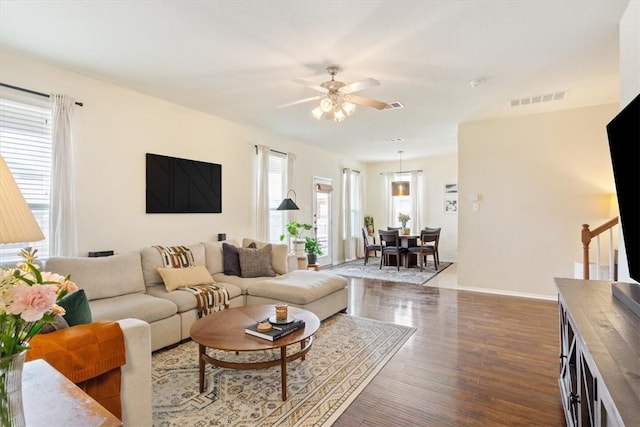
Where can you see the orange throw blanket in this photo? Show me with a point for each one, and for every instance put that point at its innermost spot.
(90, 356)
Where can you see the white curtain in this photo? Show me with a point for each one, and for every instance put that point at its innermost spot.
(291, 162)
(63, 239)
(388, 201)
(262, 193)
(349, 252)
(416, 201)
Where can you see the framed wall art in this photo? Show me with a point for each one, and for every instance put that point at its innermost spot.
(451, 188)
(451, 206)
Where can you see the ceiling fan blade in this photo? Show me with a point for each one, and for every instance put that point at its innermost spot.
(300, 101)
(379, 105)
(311, 85)
(362, 84)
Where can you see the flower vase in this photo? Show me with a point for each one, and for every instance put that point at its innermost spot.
(406, 231)
(11, 410)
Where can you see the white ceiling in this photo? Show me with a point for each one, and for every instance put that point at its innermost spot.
(237, 59)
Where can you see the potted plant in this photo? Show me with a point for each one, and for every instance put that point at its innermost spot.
(295, 230)
(312, 248)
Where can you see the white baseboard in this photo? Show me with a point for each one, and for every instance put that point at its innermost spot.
(507, 293)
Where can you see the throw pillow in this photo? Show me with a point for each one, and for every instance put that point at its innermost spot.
(77, 308)
(175, 278)
(279, 254)
(256, 262)
(57, 324)
(230, 260)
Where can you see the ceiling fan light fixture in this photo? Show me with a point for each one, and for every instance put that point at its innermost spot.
(326, 105)
(348, 108)
(317, 113)
(339, 116)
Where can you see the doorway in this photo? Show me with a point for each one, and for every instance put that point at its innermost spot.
(323, 188)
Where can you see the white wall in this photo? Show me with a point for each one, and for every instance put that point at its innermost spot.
(117, 126)
(539, 178)
(629, 88)
(437, 171)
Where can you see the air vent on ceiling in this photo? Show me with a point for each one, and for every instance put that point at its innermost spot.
(393, 140)
(395, 105)
(555, 96)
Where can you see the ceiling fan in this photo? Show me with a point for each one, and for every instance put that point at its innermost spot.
(338, 100)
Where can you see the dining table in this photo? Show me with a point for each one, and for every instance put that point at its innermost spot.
(406, 241)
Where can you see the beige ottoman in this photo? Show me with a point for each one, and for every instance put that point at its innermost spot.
(322, 293)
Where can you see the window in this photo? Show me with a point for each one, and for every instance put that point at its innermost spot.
(400, 204)
(277, 178)
(25, 145)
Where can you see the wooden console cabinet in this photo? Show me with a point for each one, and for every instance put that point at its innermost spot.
(599, 356)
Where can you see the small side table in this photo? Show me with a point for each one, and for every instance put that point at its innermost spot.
(302, 263)
(315, 267)
(73, 406)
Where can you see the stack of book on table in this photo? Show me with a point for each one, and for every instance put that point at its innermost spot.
(277, 331)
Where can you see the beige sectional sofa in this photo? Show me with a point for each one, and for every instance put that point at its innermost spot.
(128, 286)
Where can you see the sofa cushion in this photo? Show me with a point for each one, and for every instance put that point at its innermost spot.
(140, 306)
(102, 277)
(214, 257)
(77, 308)
(256, 262)
(152, 260)
(279, 252)
(242, 283)
(186, 300)
(298, 287)
(175, 278)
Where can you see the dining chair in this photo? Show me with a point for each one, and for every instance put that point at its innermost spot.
(394, 228)
(368, 247)
(428, 246)
(435, 244)
(390, 243)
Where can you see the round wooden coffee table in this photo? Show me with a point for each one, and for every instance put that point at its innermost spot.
(224, 330)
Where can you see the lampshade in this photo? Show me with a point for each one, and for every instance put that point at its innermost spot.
(400, 188)
(287, 204)
(17, 223)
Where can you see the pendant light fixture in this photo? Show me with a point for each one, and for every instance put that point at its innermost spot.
(400, 188)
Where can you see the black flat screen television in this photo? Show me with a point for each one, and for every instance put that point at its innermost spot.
(624, 144)
(183, 186)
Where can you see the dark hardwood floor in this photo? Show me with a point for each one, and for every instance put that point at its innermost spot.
(475, 359)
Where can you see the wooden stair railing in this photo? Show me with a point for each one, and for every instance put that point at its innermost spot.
(587, 236)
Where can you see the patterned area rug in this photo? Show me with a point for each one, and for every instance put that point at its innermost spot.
(346, 355)
(390, 274)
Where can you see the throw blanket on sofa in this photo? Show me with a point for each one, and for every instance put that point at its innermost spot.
(176, 256)
(90, 356)
(209, 296)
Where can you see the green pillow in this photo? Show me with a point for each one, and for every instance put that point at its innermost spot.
(77, 308)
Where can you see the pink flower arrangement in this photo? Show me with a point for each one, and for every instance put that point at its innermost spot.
(404, 218)
(28, 300)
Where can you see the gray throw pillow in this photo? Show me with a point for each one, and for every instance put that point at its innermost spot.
(230, 260)
(256, 262)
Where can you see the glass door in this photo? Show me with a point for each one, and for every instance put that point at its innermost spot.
(323, 189)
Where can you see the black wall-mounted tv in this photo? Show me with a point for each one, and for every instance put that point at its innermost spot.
(624, 144)
(183, 186)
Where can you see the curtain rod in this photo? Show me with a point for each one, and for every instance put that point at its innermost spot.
(403, 172)
(352, 170)
(33, 92)
(271, 149)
